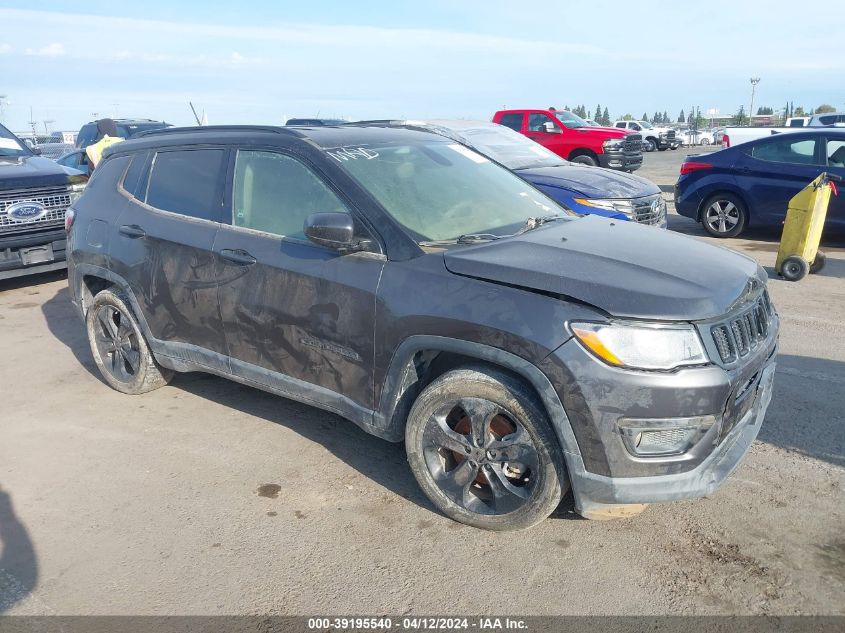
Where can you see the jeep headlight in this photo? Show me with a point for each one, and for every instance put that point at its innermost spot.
(75, 191)
(639, 345)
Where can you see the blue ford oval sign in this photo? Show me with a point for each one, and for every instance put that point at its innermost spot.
(26, 211)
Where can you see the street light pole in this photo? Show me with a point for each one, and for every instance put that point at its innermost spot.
(754, 82)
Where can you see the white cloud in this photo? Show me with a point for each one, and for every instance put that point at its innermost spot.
(5, 48)
(56, 49)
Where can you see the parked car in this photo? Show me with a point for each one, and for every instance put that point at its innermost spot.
(583, 189)
(126, 128)
(313, 122)
(569, 136)
(592, 123)
(660, 138)
(77, 159)
(410, 284)
(697, 137)
(34, 193)
(827, 119)
(751, 184)
(736, 135)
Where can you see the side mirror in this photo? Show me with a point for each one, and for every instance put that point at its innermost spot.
(551, 128)
(36, 151)
(333, 230)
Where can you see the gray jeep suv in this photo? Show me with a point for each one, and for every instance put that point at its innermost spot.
(424, 292)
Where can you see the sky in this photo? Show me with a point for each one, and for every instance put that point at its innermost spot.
(264, 61)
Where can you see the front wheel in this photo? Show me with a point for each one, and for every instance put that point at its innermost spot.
(724, 215)
(483, 451)
(584, 159)
(649, 145)
(705, 141)
(120, 351)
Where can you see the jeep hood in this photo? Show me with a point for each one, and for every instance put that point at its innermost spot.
(23, 172)
(590, 182)
(622, 268)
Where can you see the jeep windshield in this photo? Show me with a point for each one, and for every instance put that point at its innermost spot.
(10, 145)
(443, 191)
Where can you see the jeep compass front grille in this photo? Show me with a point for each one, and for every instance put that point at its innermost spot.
(743, 333)
(55, 201)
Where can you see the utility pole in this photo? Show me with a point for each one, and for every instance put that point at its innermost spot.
(754, 82)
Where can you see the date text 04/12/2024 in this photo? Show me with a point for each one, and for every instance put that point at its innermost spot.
(417, 624)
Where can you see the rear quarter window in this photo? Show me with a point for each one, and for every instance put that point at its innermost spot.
(108, 173)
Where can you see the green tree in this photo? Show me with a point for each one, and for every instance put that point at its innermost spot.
(628, 117)
(765, 110)
(645, 117)
(567, 108)
(739, 117)
(605, 117)
(656, 118)
(825, 107)
(597, 115)
(665, 118)
(682, 117)
(799, 111)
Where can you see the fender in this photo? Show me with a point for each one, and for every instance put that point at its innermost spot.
(401, 365)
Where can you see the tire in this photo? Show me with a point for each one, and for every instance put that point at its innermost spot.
(584, 159)
(649, 145)
(724, 215)
(705, 141)
(674, 147)
(794, 268)
(818, 263)
(469, 480)
(119, 348)
(662, 149)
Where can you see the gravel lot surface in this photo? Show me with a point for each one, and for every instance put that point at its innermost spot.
(207, 497)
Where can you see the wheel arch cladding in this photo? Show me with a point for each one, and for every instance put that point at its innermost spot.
(421, 359)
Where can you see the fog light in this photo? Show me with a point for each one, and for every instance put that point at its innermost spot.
(645, 437)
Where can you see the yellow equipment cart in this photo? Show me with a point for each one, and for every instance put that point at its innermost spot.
(799, 252)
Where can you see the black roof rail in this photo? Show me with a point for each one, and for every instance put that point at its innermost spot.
(217, 128)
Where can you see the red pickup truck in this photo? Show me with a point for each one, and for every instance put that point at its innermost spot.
(571, 137)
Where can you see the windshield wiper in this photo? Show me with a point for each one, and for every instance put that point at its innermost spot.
(533, 223)
(469, 238)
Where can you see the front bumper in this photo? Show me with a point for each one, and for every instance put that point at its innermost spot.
(621, 160)
(597, 398)
(32, 253)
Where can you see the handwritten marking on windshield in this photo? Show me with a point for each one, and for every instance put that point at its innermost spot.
(352, 153)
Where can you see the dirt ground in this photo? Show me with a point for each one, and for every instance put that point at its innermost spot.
(207, 497)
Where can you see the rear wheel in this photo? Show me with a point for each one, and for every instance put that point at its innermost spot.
(724, 215)
(705, 141)
(483, 451)
(119, 348)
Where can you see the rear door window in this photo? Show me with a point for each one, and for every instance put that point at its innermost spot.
(275, 193)
(189, 182)
(513, 121)
(836, 153)
(787, 150)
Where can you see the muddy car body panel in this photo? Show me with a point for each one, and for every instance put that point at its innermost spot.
(361, 333)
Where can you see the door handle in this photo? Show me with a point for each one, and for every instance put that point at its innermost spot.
(132, 230)
(238, 256)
